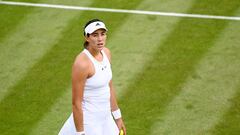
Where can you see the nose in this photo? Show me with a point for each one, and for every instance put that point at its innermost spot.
(100, 37)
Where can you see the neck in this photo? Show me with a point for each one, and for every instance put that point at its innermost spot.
(94, 52)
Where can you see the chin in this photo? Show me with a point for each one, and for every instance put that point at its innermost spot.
(100, 48)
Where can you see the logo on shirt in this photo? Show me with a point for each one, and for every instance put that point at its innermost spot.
(104, 67)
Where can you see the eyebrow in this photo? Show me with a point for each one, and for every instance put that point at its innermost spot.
(101, 32)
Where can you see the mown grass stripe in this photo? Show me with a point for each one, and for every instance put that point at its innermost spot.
(229, 123)
(28, 90)
(32, 96)
(120, 10)
(29, 41)
(51, 122)
(10, 18)
(47, 80)
(162, 78)
(204, 97)
(135, 42)
(132, 25)
(13, 15)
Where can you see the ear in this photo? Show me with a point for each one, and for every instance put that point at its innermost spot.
(86, 38)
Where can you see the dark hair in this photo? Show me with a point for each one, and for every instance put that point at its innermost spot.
(89, 22)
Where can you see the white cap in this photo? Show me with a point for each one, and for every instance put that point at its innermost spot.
(94, 26)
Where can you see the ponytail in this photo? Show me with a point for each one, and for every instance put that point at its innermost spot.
(85, 45)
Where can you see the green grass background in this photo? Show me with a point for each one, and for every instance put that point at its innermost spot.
(153, 59)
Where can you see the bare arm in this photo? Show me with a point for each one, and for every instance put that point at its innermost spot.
(79, 76)
(113, 99)
(114, 107)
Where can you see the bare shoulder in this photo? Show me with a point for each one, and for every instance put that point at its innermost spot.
(107, 52)
(81, 63)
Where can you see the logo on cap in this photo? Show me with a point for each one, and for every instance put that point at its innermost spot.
(98, 24)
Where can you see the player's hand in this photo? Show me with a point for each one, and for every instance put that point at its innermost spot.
(121, 126)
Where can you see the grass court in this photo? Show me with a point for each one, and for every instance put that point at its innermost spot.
(173, 75)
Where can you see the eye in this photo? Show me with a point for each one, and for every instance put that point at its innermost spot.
(103, 34)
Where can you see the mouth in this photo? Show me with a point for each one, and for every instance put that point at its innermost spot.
(100, 44)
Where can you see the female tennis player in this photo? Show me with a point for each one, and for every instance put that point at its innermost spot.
(94, 105)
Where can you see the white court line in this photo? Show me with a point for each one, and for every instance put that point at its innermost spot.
(121, 10)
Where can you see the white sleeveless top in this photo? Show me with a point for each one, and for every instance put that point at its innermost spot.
(96, 95)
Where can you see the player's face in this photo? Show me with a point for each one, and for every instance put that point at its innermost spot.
(97, 39)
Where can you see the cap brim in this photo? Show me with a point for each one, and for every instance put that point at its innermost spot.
(94, 26)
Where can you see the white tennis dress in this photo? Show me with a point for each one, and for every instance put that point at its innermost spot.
(97, 118)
